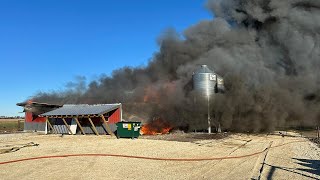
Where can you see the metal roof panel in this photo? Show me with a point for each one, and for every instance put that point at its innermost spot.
(81, 109)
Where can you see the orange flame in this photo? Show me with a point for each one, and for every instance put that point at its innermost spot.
(155, 127)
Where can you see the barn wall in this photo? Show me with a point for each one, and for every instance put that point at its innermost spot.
(35, 126)
(60, 127)
(34, 123)
(30, 117)
(101, 128)
(115, 116)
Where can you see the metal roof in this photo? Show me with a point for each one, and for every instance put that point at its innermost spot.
(204, 69)
(82, 109)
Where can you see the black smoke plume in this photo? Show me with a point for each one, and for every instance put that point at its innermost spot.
(268, 52)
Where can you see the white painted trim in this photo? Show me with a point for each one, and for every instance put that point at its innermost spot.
(120, 112)
(46, 128)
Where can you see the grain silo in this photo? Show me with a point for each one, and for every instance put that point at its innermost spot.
(205, 84)
(204, 81)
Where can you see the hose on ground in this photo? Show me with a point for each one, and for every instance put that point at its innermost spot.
(147, 158)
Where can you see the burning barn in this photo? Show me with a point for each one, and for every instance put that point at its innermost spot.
(73, 118)
(33, 122)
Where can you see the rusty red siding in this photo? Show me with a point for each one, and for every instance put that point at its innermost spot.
(30, 117)
(34, 123)
(115, 116)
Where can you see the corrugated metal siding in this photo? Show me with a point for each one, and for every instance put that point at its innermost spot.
(60, 127)
(34, 126)
(113, 127)
(115, 116)
(100, 128)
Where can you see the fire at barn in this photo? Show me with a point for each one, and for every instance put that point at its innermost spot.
(33, 122)
(72, 118)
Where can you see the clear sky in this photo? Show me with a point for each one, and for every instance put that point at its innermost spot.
(44, 44)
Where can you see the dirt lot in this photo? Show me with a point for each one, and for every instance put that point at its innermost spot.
(291, 157)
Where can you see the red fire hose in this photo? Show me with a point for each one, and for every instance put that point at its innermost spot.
(147, 158)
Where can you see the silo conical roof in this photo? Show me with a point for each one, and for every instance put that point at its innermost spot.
(203, 69)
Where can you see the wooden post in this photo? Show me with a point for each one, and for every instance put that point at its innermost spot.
(93, 127)
(50, 125)
(18, 125)
(67, 125)
(318, 132)
(81, 129)
(107, 125)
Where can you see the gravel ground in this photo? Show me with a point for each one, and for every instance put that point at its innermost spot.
(291, 157)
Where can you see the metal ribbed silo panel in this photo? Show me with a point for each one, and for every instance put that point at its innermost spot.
(204, 81)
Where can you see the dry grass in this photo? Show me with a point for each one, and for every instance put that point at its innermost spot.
(11, 125)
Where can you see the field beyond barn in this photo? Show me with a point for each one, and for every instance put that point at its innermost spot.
(276, 157)
(11, 125)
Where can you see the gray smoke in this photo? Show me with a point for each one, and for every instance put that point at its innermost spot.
(268, 52)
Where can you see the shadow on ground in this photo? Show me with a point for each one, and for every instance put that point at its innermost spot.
(309, 166)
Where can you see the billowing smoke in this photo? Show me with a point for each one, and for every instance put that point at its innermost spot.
(268, 52)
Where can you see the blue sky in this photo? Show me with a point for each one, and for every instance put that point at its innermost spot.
(44, 44)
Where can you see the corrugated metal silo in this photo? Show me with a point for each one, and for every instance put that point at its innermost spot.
(204, 81)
